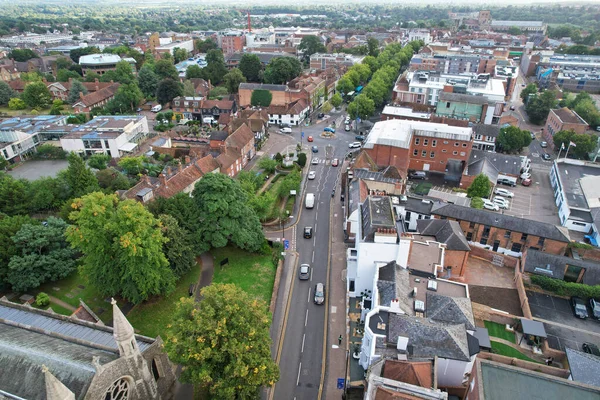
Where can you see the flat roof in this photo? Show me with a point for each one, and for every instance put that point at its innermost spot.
(425, 256)
(99, 59)
(570, 176)
(404, 112)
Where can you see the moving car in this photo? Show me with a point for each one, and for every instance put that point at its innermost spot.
(579, 308)
(285, 130)
(312, 175)
(335, 162)
(359, 137)
(319, 293)
(543, 144)
(328, 129)
(546, 156)
(308, 232)
(503, 192)
(504, 181)
(304, 272)
(315, 149)
(417, 175)
(310, 139)
(347, 120)
(501, 202)
(488, 205)
(595, 306)
(355, 145)
(315, 161)
(347, 128)
(310, 200)
(526, 182)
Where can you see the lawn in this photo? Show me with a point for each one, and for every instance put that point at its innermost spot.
(422, 188)
(506, 350)
(253, 273)
(498, 330)
(152, 317)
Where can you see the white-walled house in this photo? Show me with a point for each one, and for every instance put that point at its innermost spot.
(20, 136)
(292, 114)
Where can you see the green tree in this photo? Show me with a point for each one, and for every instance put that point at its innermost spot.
(223, 343)
(42, 299)
(181, 207)
(216, 68)
(301, 159)
(63, 75)
(310, 45)
(180, 54)
(36, 95)
(194, 71)
(362, 107)
(126, 100)
(42, 255)
(13, 195)
(233, 79)
(112, 180)
(513, 30)
(77, 88)
(147, 81)
(132, 165)
(371, 62)
(513, 139)
(47, 194)
(9, 226)
(267, 164)
(16, 104)
(203, 46)
(225, 216)
(122, 246)
(31, 76)
(530, 89)
(165, 69)
(261, 98)
(345, 86)
(75, 54)
(91, 77)
(584, 143)
(21, 55)
(336, 100)
(50, 152)
(63, 63)
(79, 177)
(99, 161)
(373, 45)
(57, 107)
(289, 182)
(480, 187)
(282, 70)
(6, 93)
(179, 246)
(539, 107)
(251, 67)
(587, 110)
(188, 89)
(167, 90)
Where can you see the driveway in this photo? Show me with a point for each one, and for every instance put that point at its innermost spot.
(33, 170)
(563, 329)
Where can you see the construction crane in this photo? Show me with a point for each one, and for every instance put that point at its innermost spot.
(247, 12)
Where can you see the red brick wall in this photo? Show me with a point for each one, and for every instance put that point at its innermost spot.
(489, 256)
(457, 260)
(388, 155)
(443, 150)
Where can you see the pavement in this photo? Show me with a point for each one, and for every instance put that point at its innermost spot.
(36, 169)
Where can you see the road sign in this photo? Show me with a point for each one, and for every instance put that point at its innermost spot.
(286, 244)
(302, 134)
(340, 383)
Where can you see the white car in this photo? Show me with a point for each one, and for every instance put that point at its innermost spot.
(488, 205)
(347, 121)
(315, 161)
(312, 175)
(504, 192)
(501, 202)
(355, 145)
(525, 175)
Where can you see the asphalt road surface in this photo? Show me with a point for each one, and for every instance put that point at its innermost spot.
(302, 353)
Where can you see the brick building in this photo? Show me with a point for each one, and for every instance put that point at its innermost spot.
(231, 41)
(450, 234)
(563, 119)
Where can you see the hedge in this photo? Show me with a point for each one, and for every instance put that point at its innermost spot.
(261, 98)
(563, 288)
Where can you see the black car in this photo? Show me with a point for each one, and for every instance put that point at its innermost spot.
(579, 308)
(546, 156)
(321, 115)
(308, 232)
(591, 348)
(507, 182)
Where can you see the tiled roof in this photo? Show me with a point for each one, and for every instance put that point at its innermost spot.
(220, 104)
(444, 231)
(411, 372)
(17, 85)
(91, 99)
(568, 116)
(226, 160)
(240, 138)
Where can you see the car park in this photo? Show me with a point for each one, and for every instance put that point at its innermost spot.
(525, 175)
(546, 156)
(501, 202)
(526, 182)
(315, 161)
(304, 272)
(310, 139)
(308, 231)
(359, 137)
(335, 162)
(319, 293)
(312, 175)
(504, 181)
(328, 129)
(417, 175)
(543, 144)
(489, 205)
(503, 192)
(315, 149)
(355, 145)
(579, 308)
(595, 306)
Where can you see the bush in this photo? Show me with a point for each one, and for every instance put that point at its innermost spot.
(278, 157)
(301, 159)
(50, 152)
(42, 300)
(476, 202)
(563, 288)
(99, 161)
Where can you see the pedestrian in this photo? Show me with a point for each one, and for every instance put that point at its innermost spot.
(340, 340)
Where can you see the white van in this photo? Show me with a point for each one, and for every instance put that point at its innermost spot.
(156, 108)
(208, 120)
(285, 130)
(310, 200)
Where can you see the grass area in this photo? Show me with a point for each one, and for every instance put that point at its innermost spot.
(422, 188)
(506, 350)
(499, 331)
(55, 307)
(75, 287)
(253, 273)
(289, 205)
(152, 317)
(16, 113)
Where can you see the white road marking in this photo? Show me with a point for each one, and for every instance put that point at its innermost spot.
(313, 256)
(306, 318)
(298, 379)
(315, 241)
(311, 270)
(303, 337)
(308, 298)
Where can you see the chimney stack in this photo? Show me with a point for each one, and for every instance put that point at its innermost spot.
(187, 160)
(180, 167)
(163, 179)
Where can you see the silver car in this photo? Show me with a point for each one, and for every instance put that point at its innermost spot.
(319, 293)
(304, 272)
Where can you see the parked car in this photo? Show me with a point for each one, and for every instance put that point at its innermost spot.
(328, 129)
(312, 175)
(501, 202)
(321, 115)
(595, 306)
(532, 135)
(315, 149)
(285, 130)
(546, 156)
(335, 162)
(308, 232)
(526, 182)
(310, 139)
(417, 175)
(347, 128)
(304, 272)
(347, 120)
(503, 192)
(526, 175)
(591, 348)
(355, 145)
(504, 181)
(543, 144)
(319, 293)
(315, 161)
(489, 205)
(359, 137)
(512, 108)
(579, 308)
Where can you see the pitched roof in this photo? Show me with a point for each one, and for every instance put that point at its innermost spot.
(263, 86)
(226, 160)
(502, 221)
(452, 310)
(240, 138)
(541, 263)
(444, 231)
(486, 130)
(220, 104)
(17, 85)
(585, 368)
(91, 99)
(503, 163)
(411, 372)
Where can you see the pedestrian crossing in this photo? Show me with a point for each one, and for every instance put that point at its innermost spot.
(321, 161)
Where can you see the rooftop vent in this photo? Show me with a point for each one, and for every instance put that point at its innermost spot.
(432, 285)
(419, 306)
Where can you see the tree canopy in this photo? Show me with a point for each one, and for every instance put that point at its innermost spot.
(147, 81)
(74, 93)
(233, 79)
(480, 187)
(309, 45)
(251, 67)
(530, 89)
(36, 95)
(261, 98)
(513, 139)
(538, 108)
(584, 143)
(282, 70)
(167, 90)
(79, 177)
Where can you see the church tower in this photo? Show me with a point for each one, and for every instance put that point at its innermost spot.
(123, 333)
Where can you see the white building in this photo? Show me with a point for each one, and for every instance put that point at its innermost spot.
(419, 34)
(19, 136)
(113, 135)
(170, 47)
(34, 38)
(260, 37)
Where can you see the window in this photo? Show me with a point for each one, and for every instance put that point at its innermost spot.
(417, 140)
(447, 104)
(462, 153)
(454, 153)
(407, 217)
(464, 145)
(572, 273)
(425, 142)
(507, 234)
(433, 143)
(516, 247)
(106, 144)
(486, 230)
(155, 372)
(472, 225)
(424, 153)
(469, 236)
(351, 285)
(455, 144)
(415, 152)
(119, 390)
(445, 142)
(524, 236)
(177, 103)
(483, 241)
(478, 137)
(432, 154)
(444, 150)
(541, 242)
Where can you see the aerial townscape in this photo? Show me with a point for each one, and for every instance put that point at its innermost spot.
(328, 200)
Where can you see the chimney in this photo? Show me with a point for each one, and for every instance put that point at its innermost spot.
(70, 80)
(169, 170)
(163, 179)
(180, 167)
(80, 95)
(187, 160)
(146, 179)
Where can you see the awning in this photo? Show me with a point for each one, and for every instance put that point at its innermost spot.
(128, 147)
(534, 328)
(592, 240)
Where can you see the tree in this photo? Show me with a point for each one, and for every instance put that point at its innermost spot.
(79, 177)
(251, 67)
(75, 54)
(47, 194)
(282, 70)
(99, 161)
(181, 207)
(57, 107)
(91, 77)
(63, 75)
(587, 110)
(63, 63)
(261, 98)
(42, 255)
(480, 187)
(373, 45)
(13, 195)
(167, 90)
(147, 81)
(6, 93)
(336, 100)
(48, 151)
(179, 246)
(77, 88)
(513, 30)
(165, 69)
(16, 104)
(37, 95)
(194, 71)
(127, 98)
(216, 68)
(42, 299)
(223, 343)
(584, 143)
(112, 180)
(362, 107)
(345, 85)
(9, 226)
(301, 159)
(132, 165)
(188, 89)
(530, 89)
(512, 139)
(180, 54)
(290, 182)
(122, 246)
(225, 215)
(22, 55)
(539, 107)
(204, 46)
(310, 45)
(371, 62)
(267, 164)
(233, 79)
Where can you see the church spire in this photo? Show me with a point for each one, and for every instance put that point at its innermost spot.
(55, 390)
(123, 332)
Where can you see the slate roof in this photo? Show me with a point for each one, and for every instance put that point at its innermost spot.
(444, 231)
(585, 368)
(486, 130)
(452, 310)
(482, 166)
(503, 163)
(502, 221)
(463, 98)
(540, 263)
(361, 173)
(263, 86)
(429, 339)
(416, 204)
(219, 135)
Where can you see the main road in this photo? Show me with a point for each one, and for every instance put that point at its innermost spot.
(303, 353)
